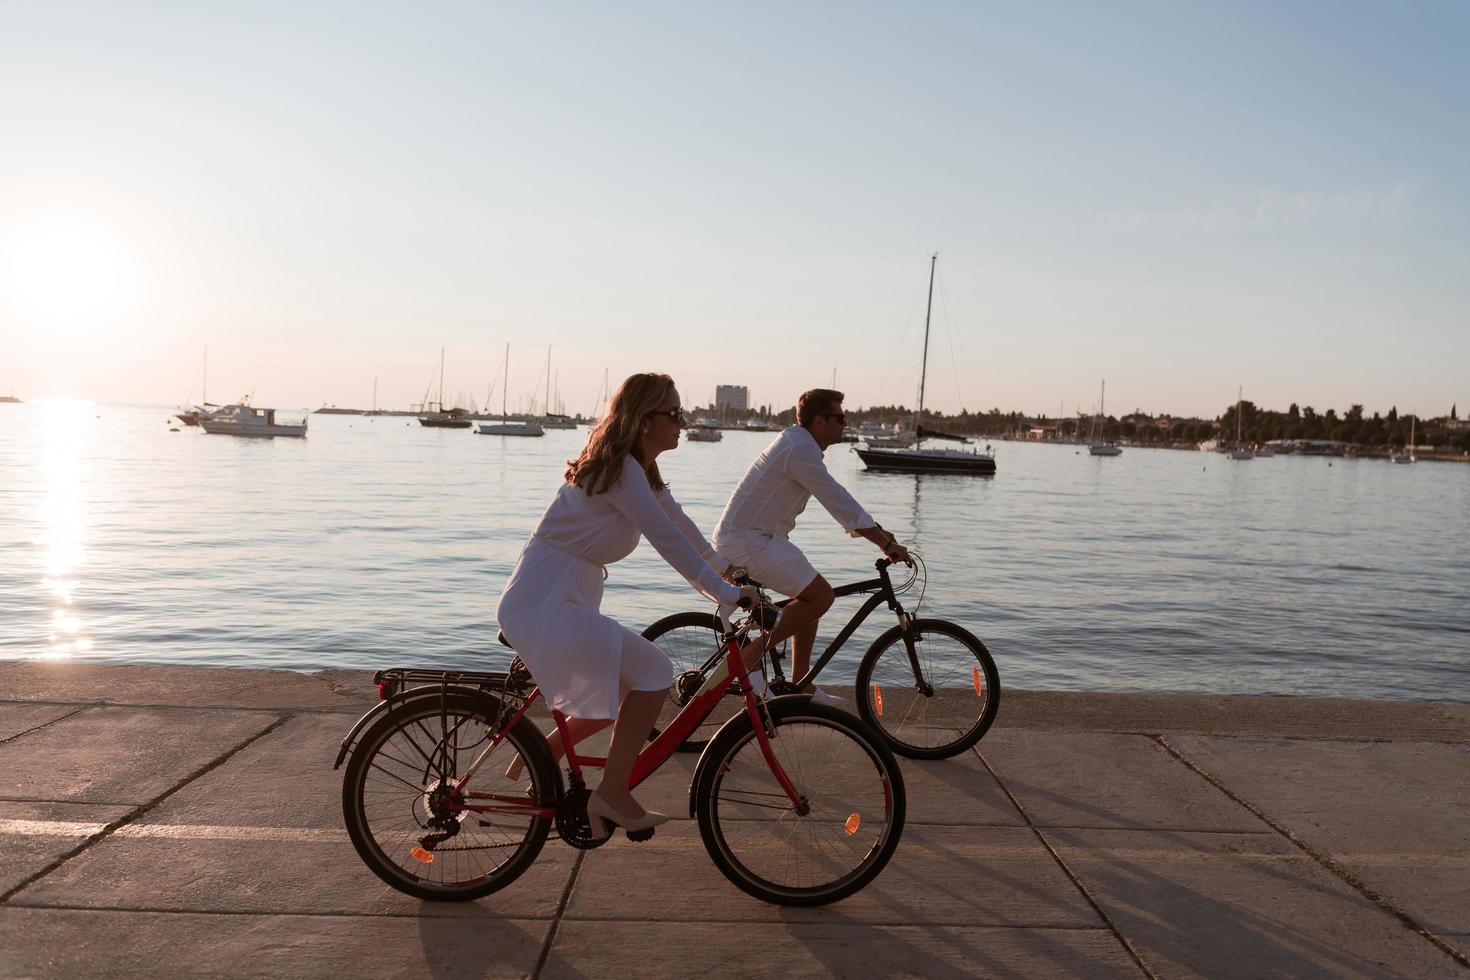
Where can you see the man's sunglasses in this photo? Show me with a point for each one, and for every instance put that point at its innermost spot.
(841, 417)
(677, 414)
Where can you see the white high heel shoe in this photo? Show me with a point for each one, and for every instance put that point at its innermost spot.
(600, 811)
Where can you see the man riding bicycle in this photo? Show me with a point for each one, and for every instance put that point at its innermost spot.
(754, 527)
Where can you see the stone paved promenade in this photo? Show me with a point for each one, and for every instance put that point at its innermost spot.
(185, 821)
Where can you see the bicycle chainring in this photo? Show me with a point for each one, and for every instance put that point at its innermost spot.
(572, 823)
(685, 686)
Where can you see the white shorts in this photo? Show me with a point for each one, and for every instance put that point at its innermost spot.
(771, 560)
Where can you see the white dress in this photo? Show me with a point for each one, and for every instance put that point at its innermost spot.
(549, 608)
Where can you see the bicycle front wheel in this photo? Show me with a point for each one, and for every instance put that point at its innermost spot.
(407, 824)
(851, 814)
(937, 702)
(691, 639)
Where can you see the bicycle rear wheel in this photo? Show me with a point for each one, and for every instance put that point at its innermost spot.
(844, 774)
(944, 709)
(691, 639)
(405, 821)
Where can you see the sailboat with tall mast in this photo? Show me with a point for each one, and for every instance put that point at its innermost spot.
(439, 418)
(1406, 455)
(918, 459)
(549, 418)
(1240, 450)
(207, 409)
(1096, 445)
(505, 427)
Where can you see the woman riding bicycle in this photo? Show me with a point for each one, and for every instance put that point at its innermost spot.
(584, 661)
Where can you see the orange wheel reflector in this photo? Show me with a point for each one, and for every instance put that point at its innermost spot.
(852, 824)
(419, 854)
(979, 691)
(878, 699)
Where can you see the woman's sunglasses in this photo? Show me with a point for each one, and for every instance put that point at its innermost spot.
(677, 414)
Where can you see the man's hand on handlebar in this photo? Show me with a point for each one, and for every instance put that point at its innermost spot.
(896, 552)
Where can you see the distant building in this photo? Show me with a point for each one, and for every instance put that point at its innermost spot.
(731, 398)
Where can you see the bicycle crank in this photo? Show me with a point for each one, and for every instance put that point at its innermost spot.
(572, 823)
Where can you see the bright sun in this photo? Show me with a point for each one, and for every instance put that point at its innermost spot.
(63, 273)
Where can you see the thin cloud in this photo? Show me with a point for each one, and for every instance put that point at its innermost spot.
(1270, 211)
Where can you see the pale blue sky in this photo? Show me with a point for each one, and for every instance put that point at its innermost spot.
(1181, 198)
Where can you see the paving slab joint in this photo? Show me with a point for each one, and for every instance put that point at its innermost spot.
(561, 908)
(1321, 857)
(44, 724)
(1071, 876)
(143, 808)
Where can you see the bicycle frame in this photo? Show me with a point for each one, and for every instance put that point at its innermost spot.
(655, 754)
(882, 589)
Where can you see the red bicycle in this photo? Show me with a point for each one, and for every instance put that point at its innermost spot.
(797, 803)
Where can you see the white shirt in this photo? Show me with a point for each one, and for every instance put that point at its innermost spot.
(776, 488)
(603, 528)
(550, 608)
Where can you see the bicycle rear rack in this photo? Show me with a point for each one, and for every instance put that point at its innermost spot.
(515, 682)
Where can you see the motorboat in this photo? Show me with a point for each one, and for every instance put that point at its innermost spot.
(554, 421)
(704, 430)
(251, 422)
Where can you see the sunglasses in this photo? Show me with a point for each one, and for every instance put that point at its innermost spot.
(841, 417)
(677, 414)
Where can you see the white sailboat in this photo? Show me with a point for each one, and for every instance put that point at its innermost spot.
(505, 427)
(1240, 451)
(1096, 446)
(918, 459)
(1406, 455)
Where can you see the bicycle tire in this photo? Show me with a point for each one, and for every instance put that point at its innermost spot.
(387, 779)
(948, 719)
(689, 639)
(839, 766)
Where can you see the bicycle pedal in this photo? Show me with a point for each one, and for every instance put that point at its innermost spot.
(639, 836)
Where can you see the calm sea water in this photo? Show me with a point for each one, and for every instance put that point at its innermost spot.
(375, 542)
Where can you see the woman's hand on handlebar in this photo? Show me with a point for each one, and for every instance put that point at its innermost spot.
(750, 597)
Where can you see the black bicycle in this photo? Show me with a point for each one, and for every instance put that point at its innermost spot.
(928, 686)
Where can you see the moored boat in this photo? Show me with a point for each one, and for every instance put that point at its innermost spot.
(507, 427)
(250, 422)
(704, 430)
(918, 459)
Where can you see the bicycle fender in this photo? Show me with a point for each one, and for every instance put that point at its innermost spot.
(774, 706)
(382, 707)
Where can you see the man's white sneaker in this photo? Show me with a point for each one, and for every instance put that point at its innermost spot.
(822, 697)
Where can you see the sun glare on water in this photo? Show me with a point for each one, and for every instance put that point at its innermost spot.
(63, 519)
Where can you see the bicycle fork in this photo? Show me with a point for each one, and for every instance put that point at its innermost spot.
(764, 726)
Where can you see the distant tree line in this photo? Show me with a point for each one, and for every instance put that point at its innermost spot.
(1257, 425)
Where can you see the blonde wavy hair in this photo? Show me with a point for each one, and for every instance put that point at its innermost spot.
(619, 435)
